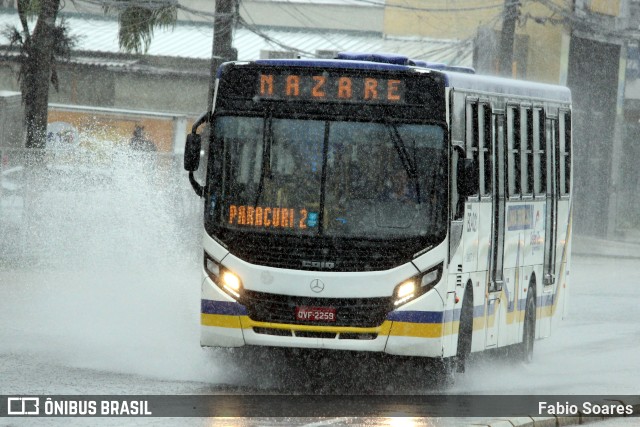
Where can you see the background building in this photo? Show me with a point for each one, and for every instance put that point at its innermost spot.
(589, 45)
(173, 76)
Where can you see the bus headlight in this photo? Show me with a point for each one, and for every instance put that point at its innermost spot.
(405, 292)
(229, 282)
(416, 286)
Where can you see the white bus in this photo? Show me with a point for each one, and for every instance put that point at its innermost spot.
(375, 203)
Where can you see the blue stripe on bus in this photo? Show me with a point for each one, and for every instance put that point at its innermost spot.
(452, 315)
(546, 300)
(541, 301)
(478, 310)
(416, 316)
(522, 304)
(222, 307)
(235, 309)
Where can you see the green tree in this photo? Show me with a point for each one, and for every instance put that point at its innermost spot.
(138, 18)
(49, 43)
(38, 51)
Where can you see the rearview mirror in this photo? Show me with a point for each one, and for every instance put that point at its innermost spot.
(192, 152)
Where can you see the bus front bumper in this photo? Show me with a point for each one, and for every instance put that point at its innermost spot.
(226, 324)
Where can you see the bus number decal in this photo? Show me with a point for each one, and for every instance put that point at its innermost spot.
(472, 222)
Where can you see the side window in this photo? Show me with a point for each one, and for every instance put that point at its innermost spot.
(486, 153)
(472, 133)
(564, 153)
(513, 150)
(539, 153)
(526, 131)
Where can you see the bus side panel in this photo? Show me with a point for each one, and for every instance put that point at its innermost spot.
(562, 261)
(475, 246)
(479, 283)
(470, 238)
(511, 326)
(534, 237)
(519, 223)
(457, 285)
(533, 276)
(485, 220)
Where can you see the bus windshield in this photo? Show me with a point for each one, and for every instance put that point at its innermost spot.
(332, 178)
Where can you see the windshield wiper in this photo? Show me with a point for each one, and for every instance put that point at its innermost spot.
(265, 167)
(401, 148)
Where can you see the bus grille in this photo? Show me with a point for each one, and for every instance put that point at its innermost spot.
(358, 312)
(298, 256)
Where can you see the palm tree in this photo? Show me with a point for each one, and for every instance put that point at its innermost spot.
(49, 43)
(37, 56)
(138, 18)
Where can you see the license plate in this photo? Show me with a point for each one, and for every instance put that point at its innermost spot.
(316, 314)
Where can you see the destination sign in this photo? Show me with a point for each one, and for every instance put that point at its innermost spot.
(330, 88)
(272, 217)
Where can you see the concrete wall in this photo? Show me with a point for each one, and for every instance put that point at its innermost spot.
(150, 89)
(83, 85)
(168, 93)
(11, 117)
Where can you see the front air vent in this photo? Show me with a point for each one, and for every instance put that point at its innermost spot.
(356, 336)
(313, 334)
(272, 331)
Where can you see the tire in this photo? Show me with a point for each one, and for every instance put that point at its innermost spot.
(443, 372)
(465, 331)
(529, 328)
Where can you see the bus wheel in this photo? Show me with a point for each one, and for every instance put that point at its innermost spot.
(443, 372)
(529, 329)
(465, 331)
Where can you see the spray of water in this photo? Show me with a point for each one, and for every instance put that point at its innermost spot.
(106, 276)
(103, 272)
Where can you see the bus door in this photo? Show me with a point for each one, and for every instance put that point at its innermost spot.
(551, 205)
(496, 275)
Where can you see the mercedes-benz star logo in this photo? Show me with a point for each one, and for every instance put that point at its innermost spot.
(317, 286)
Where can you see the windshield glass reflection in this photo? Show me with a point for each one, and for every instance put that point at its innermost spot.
(333, 178)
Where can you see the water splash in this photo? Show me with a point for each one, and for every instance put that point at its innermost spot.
(104, 270)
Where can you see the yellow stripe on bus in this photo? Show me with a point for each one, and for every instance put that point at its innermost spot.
(420, 330)
(383, 329)
(220, 320)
